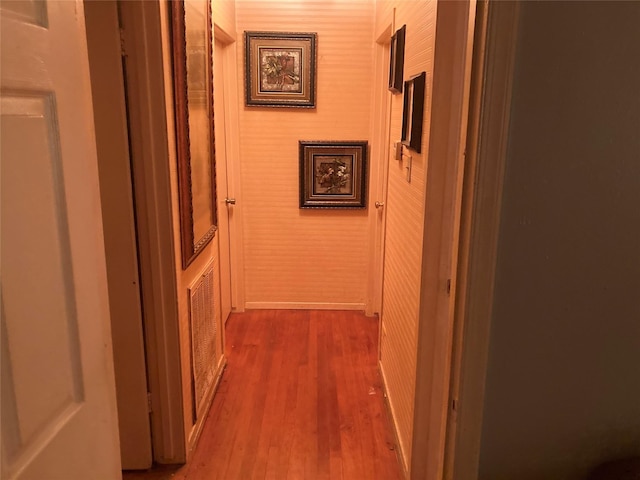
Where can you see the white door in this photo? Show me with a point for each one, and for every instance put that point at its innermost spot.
(381, 145)
(59, 416)
(225, 209)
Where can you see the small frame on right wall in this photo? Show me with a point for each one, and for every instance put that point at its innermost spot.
(412, 115)
(333, 174)
(396, 66)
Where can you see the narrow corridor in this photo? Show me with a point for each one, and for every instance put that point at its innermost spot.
(300, 398)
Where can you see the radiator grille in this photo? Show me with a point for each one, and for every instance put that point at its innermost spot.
(203, 335)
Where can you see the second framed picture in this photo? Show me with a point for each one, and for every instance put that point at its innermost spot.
(333, 174)
(413, 112)
(280, 69)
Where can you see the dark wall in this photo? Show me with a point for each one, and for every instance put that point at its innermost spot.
(563, 385)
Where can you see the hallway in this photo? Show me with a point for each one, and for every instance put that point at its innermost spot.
(300, 398)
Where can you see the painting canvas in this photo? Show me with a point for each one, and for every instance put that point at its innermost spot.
(280, 69)
(333, 174)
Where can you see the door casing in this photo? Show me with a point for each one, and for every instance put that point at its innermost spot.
(455, 24)
(380, 148)
(116, 192)
(228, 104)
(494, 61)
(142, 38)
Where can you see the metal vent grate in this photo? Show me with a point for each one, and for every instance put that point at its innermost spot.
(203, 335)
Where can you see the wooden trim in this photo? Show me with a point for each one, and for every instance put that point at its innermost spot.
(120, 232)
(394, 425)
(455, 24)
(303, 306)
(482, 199)
(196, 432)
(477, 78)
(150, 162)
(221, 35)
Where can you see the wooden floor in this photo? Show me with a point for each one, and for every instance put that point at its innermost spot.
(301, 398)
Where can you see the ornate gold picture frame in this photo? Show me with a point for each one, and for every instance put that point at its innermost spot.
(333, 174)
(195, 141)
(280, 69)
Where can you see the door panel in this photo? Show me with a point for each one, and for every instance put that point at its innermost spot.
(382, 107)
(58, 394)
(221, 181)
(44, 351)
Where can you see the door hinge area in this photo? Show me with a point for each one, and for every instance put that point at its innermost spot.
(123, 51)
(149, 404)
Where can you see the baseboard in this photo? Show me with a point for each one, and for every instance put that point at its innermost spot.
(303, 306)
(394, 424)
(206, 405)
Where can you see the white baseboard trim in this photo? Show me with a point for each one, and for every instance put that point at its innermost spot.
(303, 306)
(394, 424)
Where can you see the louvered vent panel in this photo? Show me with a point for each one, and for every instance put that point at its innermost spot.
(203, 335)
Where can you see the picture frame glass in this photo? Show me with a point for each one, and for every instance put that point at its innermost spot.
(406, 131)
(396, 60)
(198, 75)
(280, 70)
(333, 175)
(413, 112)
(191, 50)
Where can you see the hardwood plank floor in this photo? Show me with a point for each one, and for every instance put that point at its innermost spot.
(301, 398)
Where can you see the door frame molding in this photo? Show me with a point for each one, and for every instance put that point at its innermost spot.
(151, 167)
(234, 184)
(380, 127)
(455, 25)
(494, 61)
(120, 232)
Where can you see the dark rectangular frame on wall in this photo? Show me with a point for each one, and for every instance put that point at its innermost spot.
(396, 64)
(413, 112)
(333, 174)
(191, 246)
(280, 69)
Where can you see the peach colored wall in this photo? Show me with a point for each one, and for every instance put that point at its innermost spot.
(185, 278)
(293, 257)
(404, 229)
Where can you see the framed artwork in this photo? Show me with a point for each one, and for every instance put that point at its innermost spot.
(396, 67)
(280, 69)
(333, 174)
(413, 112)
(195, 142)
